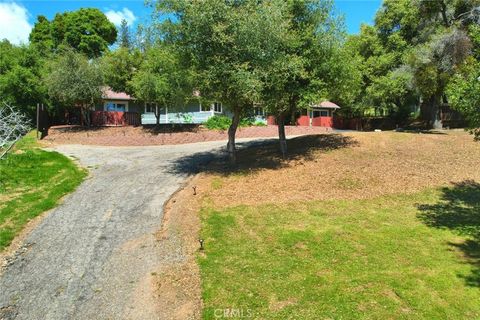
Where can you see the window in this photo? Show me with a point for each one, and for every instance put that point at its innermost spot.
(259, 111)
(324, 113)
(205, 108)
(116, 106)
(217, 107)
(150, 108)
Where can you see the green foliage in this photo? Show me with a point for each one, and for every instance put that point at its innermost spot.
(226, 44)
(221, 122)
(161, 79)
(218, 123)
(411, 52)
(75, 80)
(464, 95)
(119, 67)
(87, 30)
(125, 40)
(308, 64)
(21, 72)
(31, 182)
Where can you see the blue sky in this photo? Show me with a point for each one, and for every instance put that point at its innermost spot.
(18, 16)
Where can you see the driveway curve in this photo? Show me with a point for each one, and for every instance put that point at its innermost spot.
(91, 257)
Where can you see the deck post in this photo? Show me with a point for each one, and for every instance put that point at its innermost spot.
(166, 114)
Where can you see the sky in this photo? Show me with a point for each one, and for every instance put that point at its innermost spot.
(17, 17)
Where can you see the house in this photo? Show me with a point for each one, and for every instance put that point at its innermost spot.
(119, 108)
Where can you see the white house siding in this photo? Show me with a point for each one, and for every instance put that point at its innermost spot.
(177, 117)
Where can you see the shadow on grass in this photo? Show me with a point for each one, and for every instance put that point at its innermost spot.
(421, 131)
(262, 154)
(459, 211)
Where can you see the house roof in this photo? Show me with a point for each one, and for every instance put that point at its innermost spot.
(109, 94)
(327, 105)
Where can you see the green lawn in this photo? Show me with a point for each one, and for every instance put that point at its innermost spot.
(32, 181)
(395, 257)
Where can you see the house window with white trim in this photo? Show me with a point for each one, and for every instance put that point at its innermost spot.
(217, 107)
(150, 108)
(323, 113)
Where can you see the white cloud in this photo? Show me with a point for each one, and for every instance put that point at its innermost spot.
(116, 17)
(14, 24)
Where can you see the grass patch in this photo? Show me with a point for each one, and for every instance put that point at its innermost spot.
(32, 181)
(391, 257)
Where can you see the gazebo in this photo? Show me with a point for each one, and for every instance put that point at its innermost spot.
(320, 115)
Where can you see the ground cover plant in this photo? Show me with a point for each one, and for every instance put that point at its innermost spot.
(349, 245)
(32, 181)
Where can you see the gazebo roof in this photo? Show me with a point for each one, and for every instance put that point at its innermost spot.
(326, 104)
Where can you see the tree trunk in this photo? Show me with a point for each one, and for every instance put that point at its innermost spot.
(281, 134)
(157, 115)
(232, 130)
(444, 14)
(435, 113)
(431, 112)
(293, 109)
(85, 112)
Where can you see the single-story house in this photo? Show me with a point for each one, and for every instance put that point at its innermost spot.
(117, 105)
(119, 108)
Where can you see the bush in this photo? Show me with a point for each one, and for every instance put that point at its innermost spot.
(223, 122)
(218, 123)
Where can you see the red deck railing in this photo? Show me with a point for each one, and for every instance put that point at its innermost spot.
(115, 118)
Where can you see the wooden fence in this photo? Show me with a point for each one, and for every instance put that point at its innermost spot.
(115, 118)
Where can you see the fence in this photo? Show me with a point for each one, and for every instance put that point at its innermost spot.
(115, 118)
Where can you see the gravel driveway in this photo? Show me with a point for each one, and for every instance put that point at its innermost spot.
(91, 257)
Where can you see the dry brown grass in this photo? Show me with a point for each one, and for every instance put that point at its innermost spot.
(347, 166)
(177, 282)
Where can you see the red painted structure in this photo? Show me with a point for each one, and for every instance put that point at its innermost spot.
(322, 122)
(115, 118)
(303, 120)
(321, 115)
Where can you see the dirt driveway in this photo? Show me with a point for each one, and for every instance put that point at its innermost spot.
(94, 256)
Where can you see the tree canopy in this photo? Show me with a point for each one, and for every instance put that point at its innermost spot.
(74, 80)
(226, 44)
(86, 30)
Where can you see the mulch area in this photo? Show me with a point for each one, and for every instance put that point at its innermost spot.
(145, 136)
(353, 165)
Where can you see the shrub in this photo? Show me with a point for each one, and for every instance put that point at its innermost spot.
(223, 122)
(218, 123)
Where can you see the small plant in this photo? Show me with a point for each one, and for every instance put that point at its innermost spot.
(187, 118)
